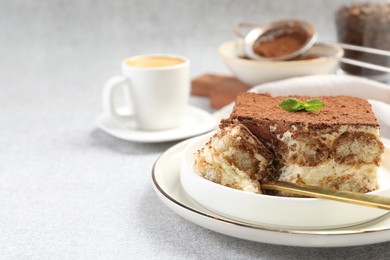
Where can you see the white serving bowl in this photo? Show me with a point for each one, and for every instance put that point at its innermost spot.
(274, 211)
(254, 72)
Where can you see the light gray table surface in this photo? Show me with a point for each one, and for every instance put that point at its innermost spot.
(69, 190)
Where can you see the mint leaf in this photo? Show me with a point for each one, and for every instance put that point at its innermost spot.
(313, 105)
(291, 105)
(295, 105)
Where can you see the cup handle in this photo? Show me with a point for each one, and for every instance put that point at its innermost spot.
(110, 88)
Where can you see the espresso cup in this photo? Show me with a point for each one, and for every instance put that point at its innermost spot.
(155, 87)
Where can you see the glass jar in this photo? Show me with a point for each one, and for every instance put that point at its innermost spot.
(365, 24)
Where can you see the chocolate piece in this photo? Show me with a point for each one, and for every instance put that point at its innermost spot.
(220, 89)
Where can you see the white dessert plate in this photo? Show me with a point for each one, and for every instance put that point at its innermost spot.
(166, 173)
(166, 183)
(196, 121)
(275, 211)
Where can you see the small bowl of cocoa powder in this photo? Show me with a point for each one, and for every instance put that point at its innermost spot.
(319, 59)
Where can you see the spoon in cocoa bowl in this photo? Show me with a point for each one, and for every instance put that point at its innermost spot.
(280, 40)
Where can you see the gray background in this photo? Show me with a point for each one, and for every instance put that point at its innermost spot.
(70, 191)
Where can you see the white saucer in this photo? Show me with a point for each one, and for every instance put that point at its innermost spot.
(166, 183)
(195, 122)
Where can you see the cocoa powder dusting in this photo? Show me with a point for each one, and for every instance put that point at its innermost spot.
(338, 110)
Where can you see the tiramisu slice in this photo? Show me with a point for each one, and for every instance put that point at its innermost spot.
(337, 146)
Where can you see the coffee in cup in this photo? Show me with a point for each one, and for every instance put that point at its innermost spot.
(154, 61)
